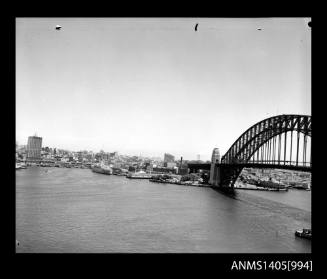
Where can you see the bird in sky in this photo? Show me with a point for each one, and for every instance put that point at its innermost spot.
(196, 27)
(259, 29)
(58, 27)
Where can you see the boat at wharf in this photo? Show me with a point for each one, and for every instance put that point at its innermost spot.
(103, 169)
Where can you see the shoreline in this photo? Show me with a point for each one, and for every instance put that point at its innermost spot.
(210, 186)
(252, 187)
(261, 189)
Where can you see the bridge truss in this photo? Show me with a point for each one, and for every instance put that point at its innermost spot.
(281, 141)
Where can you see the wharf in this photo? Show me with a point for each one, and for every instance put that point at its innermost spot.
(261, 189)
(179, 183)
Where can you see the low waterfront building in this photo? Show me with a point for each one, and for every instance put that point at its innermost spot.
(171, 165)
(183, 171)
(164, 170)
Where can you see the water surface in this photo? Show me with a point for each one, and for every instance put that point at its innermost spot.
(76, 210)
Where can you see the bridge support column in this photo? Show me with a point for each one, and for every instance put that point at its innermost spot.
(215, 175)
(215, 158)
(212, 170)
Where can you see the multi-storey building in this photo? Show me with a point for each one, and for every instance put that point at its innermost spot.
(34, 146)
(168, 158)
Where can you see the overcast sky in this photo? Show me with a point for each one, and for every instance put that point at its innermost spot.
(155, 85)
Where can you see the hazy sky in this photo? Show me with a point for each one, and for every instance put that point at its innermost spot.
(154, 85)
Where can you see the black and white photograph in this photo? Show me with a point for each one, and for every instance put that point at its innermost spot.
(163, 135)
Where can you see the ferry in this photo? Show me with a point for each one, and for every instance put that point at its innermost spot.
(139, 175)
(102, 169)
(305, 233)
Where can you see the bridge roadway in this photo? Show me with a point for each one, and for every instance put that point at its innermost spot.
(195, 167)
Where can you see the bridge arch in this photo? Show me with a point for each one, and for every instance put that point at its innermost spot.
(261, 146)
(262, 132)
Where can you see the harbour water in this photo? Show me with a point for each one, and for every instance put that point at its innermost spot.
(76, 210)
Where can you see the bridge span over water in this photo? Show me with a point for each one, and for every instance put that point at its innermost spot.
(282, 142)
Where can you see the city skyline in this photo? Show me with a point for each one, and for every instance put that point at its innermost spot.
(154, 86)
(60, 150)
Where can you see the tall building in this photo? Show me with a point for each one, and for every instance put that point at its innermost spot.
(168, 158)
(34, 146)
(113, 154)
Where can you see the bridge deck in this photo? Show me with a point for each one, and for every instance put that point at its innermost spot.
(268, 166)
(252, 165)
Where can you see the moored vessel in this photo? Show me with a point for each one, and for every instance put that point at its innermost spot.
(272, 185)
(102, 169)
(119, 171)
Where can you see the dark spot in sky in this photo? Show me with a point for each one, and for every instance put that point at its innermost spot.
(259, 29)
(309, 23)
(196, 27)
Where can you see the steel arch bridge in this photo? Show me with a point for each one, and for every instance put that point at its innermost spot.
(269, 143)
